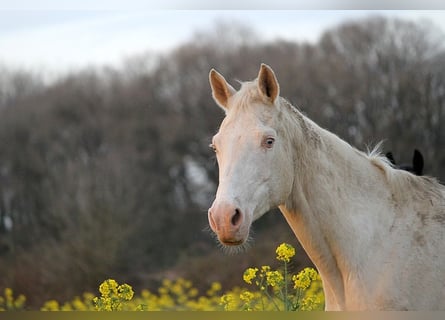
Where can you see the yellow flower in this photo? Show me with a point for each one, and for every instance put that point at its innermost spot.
(8, 293)
(265, 269)
(8, 302)
(67, 307)
(246, 296)
(163, 290)
(145, 294)
(249, 275)
(166, 283)
(187, 284)
(108, 287)
(274, 278)
(125, 292)
(304, 278)
(51, 305)
(309, 303)
(193, 292)
(285, 252)
(113, 296)
(19, 302)
(176, 289)
(215, 287)
(228, 301)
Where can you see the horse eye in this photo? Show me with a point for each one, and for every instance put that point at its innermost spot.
(268, 142)
(212, 146)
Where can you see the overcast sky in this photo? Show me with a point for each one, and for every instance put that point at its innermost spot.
(60, 39)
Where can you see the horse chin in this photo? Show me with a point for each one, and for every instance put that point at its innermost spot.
(234, 247)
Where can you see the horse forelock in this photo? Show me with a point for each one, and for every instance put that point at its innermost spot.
(246, 97)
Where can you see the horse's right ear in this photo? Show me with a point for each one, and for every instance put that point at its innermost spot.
(268, 84)
(221, 90)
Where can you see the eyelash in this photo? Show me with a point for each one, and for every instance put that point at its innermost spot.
(212, 146)
(268, 142)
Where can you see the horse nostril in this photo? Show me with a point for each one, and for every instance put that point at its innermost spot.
(236, 219)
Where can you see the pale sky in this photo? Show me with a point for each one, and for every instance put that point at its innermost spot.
(54, 40)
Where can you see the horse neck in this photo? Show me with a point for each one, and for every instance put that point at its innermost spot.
(337, 207)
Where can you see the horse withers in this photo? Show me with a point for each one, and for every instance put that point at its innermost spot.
(375, 234)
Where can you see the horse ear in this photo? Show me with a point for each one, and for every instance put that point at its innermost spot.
(221, 90)
(417, 162)
(267, 83)
(390, 157)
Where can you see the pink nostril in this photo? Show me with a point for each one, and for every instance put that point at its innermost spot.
(236, 218)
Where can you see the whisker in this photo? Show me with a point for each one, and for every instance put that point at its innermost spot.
(230, 250)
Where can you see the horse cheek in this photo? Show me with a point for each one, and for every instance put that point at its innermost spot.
(282, 182)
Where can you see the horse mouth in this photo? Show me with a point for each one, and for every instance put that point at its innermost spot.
(232, 242)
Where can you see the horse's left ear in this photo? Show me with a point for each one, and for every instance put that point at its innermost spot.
(267, 83)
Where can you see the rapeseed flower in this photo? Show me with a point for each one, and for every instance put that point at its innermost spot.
(215, 287)
(51, 305)
(304, 278)
(78, 304)
(113, 296)
(274, 278)
(8, 302)
(285, 252)
(125, 292)
(193, 292)
(265, 269)
(229, 302)
(309, 303)
(247, 297)
(108, 287)
(249, 275)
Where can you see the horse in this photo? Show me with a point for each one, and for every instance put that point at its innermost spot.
(375, 234)
(416, 167)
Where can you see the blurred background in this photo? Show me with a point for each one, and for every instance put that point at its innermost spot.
(106, 117)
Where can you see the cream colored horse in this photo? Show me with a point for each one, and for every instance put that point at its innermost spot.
(376, 234)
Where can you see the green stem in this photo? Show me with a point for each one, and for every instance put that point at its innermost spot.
(269, 296)
(286, 295)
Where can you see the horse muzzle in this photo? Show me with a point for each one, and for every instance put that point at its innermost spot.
(228, 222)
